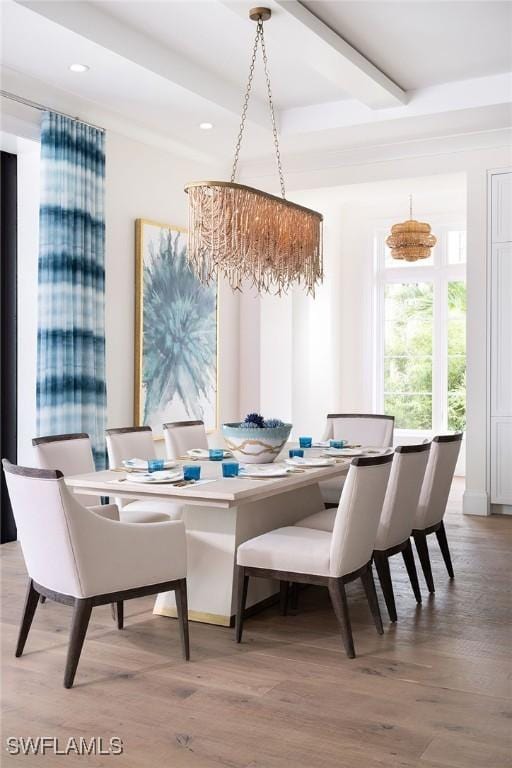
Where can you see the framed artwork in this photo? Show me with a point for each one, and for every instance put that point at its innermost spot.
(176, 332)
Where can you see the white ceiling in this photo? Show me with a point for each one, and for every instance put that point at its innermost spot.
(425, 43)
(347, 74)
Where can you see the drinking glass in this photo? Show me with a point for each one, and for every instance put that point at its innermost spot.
(305, 442)
(296, 453)
(191, 471)
(230, 468)
(216, 454)
(155, 465)
(337, 443)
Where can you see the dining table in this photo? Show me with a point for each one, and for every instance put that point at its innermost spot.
(219, 514)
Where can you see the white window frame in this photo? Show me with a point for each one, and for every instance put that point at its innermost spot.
(439, 273)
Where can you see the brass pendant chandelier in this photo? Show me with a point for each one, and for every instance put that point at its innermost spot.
(411, 240)
(244, 234)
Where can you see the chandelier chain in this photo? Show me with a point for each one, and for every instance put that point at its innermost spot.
(272, 115)
(259, 38)
(246, 100)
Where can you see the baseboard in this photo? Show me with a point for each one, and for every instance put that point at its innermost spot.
(501, 509)
(475, 503)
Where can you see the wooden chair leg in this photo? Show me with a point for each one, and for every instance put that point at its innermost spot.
(120, 614)
(294, 597)
(284, 592)
(182, 609)
(420, 540)
(371, 596)
(31, 600)
(408, 557)
(340, 606)
(81, 615)
(382, 565)
(42, 599)
(443, 544)
(242, 584)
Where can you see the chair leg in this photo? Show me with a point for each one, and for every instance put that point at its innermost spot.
(371, 596)
(182, 609)
(294, 597)
(340, 606)
(31, 600)
(443, 544)
(42, 599)
(284, 591)
(408, 557)
(242, 584)
(120, 614)
(81, 615)
(420, 540)
(382, 564)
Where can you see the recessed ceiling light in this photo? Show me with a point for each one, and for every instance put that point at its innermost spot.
(206, 126)
(78, 67)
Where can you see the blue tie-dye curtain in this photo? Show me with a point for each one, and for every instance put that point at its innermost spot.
(71, 391)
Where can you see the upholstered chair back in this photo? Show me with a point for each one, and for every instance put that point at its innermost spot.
(360, 428)
(38, 499)
(182, 436)
(402, 494)
(444, 453)
(357, 518)
(71, 454)
(129, 443)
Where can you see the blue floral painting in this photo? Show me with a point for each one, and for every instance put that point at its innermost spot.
(176, 332)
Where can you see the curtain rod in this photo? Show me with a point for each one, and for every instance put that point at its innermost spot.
(42, 108)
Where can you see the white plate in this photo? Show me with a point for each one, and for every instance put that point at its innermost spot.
(156, 477)
(297, 461)
(203, 453)
(263, 471)
(345, 451)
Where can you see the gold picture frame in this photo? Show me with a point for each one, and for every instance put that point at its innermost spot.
(177, 413)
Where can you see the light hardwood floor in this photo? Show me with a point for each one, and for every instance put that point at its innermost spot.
(433, 691)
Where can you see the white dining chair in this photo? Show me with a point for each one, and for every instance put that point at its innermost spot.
(182, 436)
(435, 490)
(367, 429)
(308, 556)
(84, 558)
(137, 442)
(396, 520)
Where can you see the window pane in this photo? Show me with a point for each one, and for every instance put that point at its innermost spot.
(408, 318)
(456, 245)
(456, 355)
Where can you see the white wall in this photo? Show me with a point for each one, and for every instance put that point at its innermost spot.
(145, 182)
(316, 354)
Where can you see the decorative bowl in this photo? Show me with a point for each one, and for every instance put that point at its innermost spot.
(255, 445)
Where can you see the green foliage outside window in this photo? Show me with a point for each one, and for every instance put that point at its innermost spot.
(408, 354)
(408, 349)
(456, 355)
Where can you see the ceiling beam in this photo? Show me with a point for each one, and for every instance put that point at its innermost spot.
(87, 20)
(327, 53)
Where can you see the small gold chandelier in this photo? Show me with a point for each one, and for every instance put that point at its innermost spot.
(243, 233)
(411, 240)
